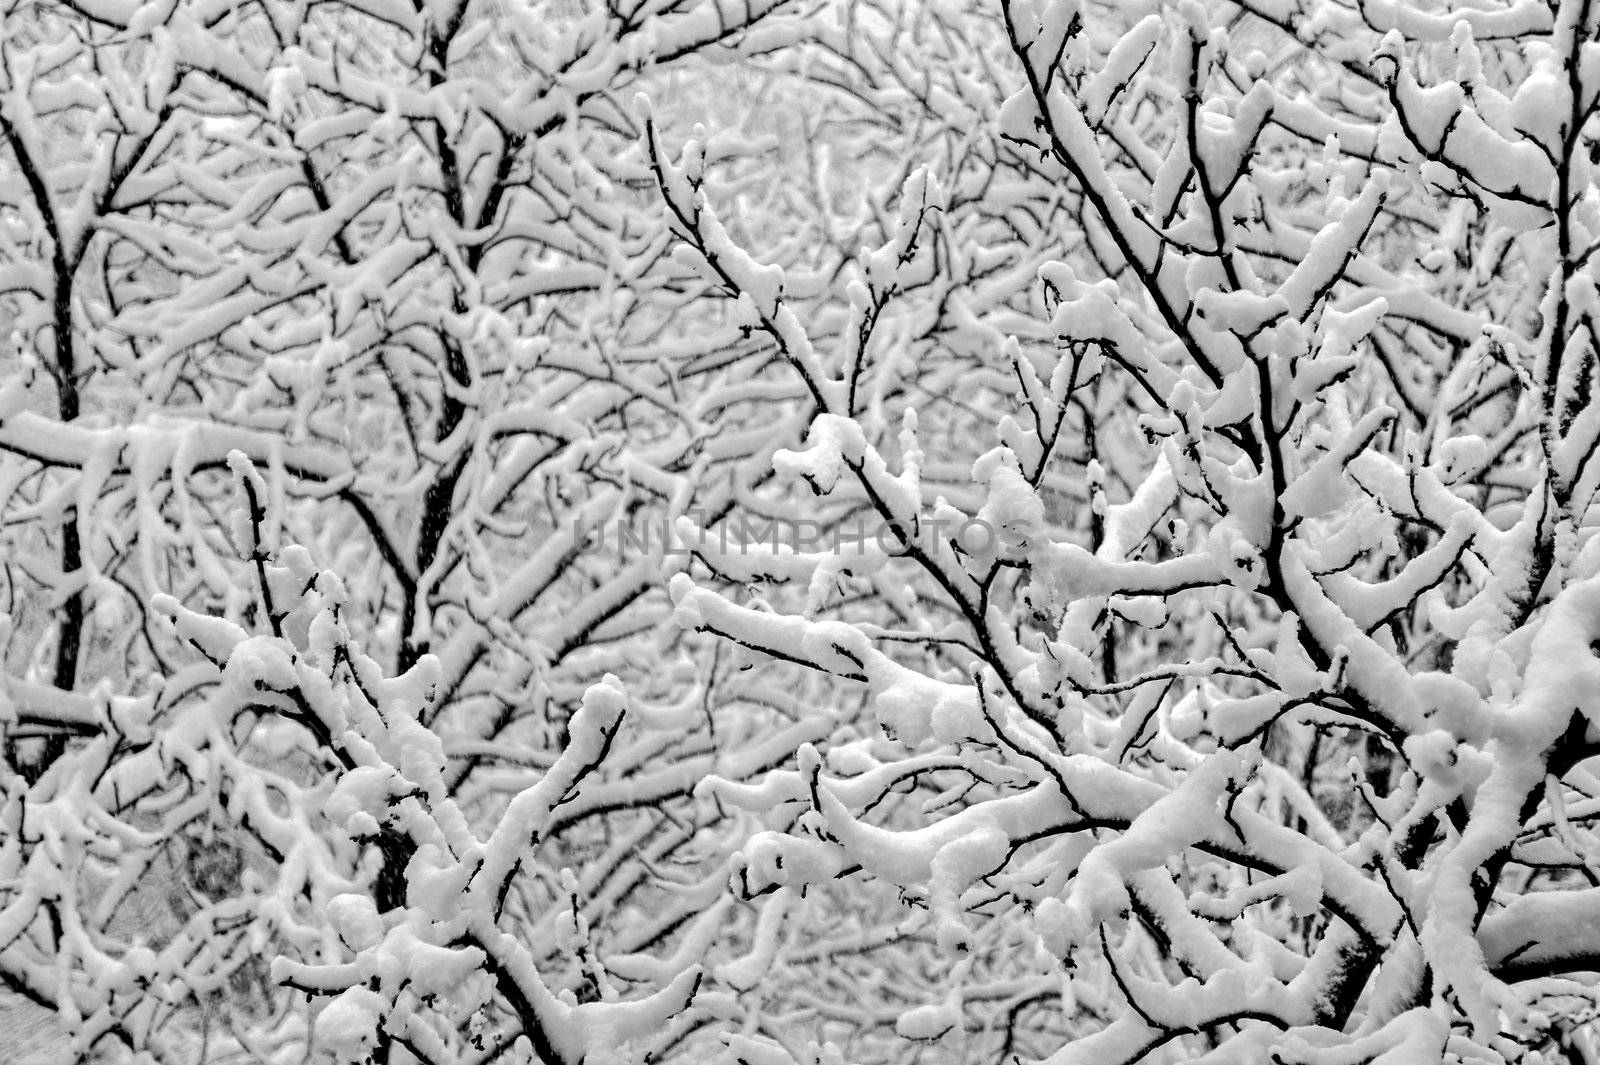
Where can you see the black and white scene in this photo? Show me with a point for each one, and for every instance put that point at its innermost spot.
(799, 532)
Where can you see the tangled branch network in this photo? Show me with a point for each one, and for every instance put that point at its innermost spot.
(799, 532)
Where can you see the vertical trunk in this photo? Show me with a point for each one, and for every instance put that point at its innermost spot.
(69, 638)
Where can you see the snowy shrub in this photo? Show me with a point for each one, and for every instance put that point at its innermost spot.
(1266, 737)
